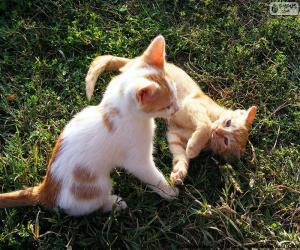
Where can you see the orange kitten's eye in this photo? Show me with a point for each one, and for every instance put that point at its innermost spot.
(228, 123)
(226, 141)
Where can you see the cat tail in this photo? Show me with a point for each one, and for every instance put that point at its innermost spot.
(99, 65)
(25, 197)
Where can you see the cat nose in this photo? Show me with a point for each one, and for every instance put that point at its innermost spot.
(216, 131)
(175, 108)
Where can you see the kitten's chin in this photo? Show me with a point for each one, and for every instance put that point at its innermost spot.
(161, 115)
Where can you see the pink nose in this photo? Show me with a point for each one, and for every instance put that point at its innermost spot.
(175, 107)
(216, 131)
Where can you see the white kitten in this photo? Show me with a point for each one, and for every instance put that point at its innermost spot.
(118, 132)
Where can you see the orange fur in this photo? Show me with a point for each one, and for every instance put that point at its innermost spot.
(26, 197)
(108, 113)
(85, 191)
(82, 175)
(100, 64)
(177, 143)
(161, 98)
(107, 122)
(50, 187)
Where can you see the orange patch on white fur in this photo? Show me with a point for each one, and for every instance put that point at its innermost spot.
(82, 175)
(162, 97)
(85, 191)
(107, 122)
(107, 117)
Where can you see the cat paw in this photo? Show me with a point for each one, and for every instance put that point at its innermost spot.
(179, 173)
(168, 192)
(114, 201)
(172, 193)
(120, 204)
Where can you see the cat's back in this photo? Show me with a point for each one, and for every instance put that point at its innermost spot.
(184, 83)
(85, 124)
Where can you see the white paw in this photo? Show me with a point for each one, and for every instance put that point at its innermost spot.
(114, 201)
(171, 194)
(167, 192)
(120, 204)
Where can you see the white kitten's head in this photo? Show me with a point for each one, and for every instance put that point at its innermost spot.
(154, 92)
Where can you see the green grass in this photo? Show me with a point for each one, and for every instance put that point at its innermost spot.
(239, 55)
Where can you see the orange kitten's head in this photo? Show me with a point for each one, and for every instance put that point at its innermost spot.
(230, 132)
(155, 92)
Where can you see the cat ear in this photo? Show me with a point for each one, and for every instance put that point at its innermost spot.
(155, 53)
(146, 93)
(250, 115)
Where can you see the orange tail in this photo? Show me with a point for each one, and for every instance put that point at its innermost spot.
(99, 65)
(26, 197)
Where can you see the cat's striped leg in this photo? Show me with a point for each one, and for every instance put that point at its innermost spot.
(177, 145)
(201, 135)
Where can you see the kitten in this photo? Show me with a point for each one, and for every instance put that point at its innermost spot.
(200, 124)
(117, 132)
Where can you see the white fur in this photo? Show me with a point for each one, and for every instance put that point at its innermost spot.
(86, 142)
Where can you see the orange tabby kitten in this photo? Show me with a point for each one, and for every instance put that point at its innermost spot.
(200, 124)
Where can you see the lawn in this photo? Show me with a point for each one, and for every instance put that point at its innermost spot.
(235, 50)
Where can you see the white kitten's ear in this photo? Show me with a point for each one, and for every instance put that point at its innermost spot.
(250, 115)
(146, 93)
(155, 53)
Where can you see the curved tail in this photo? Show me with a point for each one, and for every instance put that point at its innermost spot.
(26, 197)
(99, 65)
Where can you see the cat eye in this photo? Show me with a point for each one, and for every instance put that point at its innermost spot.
(226, 141)
(228, 123)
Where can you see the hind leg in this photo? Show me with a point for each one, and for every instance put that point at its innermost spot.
(177, 145)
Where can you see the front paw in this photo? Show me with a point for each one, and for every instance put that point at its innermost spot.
(113, 201)
(172, 193)
(179, 173)
(191, 150)
(167, 192)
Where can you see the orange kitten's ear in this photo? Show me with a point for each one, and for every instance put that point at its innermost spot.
(155, 53)
(251, 112)
(146, 93)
